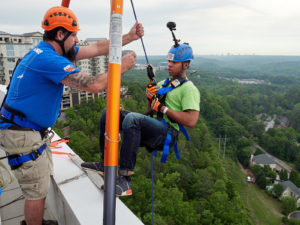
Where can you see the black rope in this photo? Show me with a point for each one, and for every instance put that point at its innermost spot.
(140, 37)
(3, 157)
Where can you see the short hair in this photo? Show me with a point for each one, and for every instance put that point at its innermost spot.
(51, 34)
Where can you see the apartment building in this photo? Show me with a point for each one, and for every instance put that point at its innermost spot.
(15, 46)
(12, 48)
(93, 66)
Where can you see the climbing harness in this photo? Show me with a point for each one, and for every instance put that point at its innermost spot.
(16, 160)
(18, 118)
(20, 122)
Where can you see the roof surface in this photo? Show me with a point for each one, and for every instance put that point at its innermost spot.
(264, 159)
(291, 185)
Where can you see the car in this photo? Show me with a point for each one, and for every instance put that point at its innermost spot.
(249, 179)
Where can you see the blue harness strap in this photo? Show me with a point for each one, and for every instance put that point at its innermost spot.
(19, 120)
(168, 141)
(166, 147)
(25, 158)
(161, 92)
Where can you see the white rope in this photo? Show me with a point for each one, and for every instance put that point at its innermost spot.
(107, 138)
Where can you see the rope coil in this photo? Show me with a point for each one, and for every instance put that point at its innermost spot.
(112, 141)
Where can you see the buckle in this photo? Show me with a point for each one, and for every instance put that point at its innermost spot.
(34, 155)
(11, 158)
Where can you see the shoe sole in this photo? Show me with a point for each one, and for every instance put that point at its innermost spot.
(125, 193)
(96, 171)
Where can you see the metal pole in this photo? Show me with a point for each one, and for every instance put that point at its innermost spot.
(113, 112)
(65, 3)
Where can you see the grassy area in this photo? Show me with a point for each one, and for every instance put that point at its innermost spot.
(264, 209)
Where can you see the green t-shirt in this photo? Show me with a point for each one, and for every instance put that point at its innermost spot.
(182, 98)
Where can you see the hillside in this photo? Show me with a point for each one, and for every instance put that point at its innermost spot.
(202, 188)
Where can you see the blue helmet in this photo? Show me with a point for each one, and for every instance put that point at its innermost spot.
(181, 53)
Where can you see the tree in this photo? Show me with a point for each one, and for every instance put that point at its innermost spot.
(283, 174)
(258, 152)
(269, 172)
(295, 178)
(244, 156)
(277, 190)
(256, 169)
(288, 205)
(297, 162)
(261, 180)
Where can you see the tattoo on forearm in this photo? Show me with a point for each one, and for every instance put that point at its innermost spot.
(79, 80)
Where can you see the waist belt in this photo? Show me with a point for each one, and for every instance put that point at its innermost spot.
(16, 160)
(18, 119)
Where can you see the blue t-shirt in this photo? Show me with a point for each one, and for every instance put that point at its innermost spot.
(35, 88)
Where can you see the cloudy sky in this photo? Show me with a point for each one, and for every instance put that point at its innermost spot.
(262, 27)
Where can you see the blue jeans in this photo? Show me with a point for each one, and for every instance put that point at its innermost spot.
(137, 131)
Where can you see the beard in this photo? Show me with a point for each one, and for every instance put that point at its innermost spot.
(71, 54)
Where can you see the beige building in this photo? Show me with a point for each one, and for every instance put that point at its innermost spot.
(13, 47)
(93, 66)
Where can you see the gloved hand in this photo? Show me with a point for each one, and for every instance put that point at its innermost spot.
(156, 105)
(151, 91)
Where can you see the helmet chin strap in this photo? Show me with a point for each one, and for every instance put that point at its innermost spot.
(61, 43)
(180, 73)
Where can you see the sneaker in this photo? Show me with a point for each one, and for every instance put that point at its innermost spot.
(45, 222)
(123, 186)
(49, 222)
(94, 166)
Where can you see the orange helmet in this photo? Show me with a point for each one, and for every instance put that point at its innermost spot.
(60, 16)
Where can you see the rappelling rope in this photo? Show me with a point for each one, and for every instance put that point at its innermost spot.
(152, 178)
(140, 37)
(152, 153)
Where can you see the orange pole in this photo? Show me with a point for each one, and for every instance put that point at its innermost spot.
(65, 3)
(111, 150)
(114, 85)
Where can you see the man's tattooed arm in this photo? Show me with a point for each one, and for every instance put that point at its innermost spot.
(84, 82)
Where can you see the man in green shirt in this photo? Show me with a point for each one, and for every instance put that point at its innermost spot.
(177, 103)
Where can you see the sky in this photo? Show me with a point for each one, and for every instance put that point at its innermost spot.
(211, 27)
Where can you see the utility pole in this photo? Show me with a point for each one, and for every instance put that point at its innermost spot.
(224, 147)
(219, 145)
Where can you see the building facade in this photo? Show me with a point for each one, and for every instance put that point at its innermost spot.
(15, 46)
(12, 48)
(92, 66)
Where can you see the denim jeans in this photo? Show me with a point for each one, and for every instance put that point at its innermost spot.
(137, 131)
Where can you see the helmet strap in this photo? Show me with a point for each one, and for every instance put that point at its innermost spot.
(62, 42)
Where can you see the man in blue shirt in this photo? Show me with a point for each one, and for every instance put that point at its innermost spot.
(33, 101)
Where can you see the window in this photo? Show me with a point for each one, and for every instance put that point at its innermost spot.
(11, 59)
(10, 50)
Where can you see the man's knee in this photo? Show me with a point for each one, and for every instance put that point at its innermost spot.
(103, 115)
(132, 119)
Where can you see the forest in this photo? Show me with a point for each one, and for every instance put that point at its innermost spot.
(197, 189)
